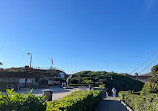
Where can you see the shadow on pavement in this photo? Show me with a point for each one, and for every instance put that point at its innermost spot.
(110, 104)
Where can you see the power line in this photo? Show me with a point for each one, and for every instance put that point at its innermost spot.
(145, 61)
(148, 65)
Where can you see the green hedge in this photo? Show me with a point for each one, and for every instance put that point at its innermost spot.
(12, 101)
(77, 101)
(102, 86)
(138, 102)
(110, 79)
(78, 85)
(149, 88)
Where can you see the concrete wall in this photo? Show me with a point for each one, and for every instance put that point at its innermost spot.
(6, 79)
(30, 81)
(62, 75)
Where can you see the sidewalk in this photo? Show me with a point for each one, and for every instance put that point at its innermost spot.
(111, 104)
(58, 92)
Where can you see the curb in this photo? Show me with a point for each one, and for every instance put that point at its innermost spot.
(129, 109)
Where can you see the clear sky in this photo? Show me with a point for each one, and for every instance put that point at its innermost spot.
(106, 35)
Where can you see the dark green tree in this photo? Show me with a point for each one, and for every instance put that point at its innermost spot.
(110, 79)
(149, 88)
(154, 71)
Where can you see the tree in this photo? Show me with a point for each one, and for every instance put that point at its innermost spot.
(154, 72)
(149, 88)
(119, 81)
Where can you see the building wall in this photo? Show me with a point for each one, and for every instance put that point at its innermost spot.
(6, 79)
(62, 75)
(30, 81)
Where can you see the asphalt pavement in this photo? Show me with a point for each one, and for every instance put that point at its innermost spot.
(111, 104)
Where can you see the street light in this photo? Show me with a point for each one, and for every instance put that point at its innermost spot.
(30, 59)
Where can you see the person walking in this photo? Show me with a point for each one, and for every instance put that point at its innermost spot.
(107, 92)
(62, 85)
(114, 92)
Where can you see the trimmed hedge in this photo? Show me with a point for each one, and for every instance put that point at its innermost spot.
(78, 85)
(149, 88)
(140, 102)
(77, 101)
(102, 86)
(12, 101)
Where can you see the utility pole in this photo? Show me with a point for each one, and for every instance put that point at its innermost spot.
(30, 59)
(51, 63)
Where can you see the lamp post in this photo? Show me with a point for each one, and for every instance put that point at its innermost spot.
(30, 59)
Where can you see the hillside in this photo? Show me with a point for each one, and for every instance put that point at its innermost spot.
(110, 79)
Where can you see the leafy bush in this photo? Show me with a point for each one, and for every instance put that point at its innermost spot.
(154, 72)
(78, 84)
(87, 82)
(119, 81)
(137, 102)
(77, 101)
(149, 88)
(102, 86)
(122, 94)
(11, 101)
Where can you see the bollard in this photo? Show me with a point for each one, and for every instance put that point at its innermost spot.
(48, 93)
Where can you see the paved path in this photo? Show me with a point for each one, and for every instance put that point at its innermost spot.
(57, 92)
(111, 104)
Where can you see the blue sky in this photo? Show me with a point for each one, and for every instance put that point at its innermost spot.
(79, 34)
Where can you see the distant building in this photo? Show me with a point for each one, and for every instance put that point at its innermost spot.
(23, 76)
(143, 78)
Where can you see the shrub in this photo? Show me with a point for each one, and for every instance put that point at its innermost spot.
(137, 102)
(78, 85)
(122, 94)
(11, 101)
(149, 88)
(102, 86)
(87, 81)
(119, 81)
(77, 101)
(154, 72)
